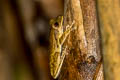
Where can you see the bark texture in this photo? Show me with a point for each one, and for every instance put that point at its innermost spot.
(109, 17)
(83, 61)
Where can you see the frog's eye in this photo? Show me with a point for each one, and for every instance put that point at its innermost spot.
(56, 24)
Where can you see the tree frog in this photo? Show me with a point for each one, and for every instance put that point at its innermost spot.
(57, 50)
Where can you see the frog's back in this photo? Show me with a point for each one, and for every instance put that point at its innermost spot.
(52, 41)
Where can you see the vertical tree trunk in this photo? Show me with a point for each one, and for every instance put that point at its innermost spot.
(109, 17)
(83, 59)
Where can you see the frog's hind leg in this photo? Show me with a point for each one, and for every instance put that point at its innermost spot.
(62, 56)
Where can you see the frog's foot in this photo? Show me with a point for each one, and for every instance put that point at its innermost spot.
(71, 25)
(64, 50)
(73, 28)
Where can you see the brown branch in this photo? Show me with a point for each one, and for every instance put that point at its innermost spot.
(84, 51)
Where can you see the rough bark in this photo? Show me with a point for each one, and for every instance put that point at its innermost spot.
(83, 61)
(109, 19)
(93, 34)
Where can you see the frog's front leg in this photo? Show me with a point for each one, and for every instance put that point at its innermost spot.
(69, 28)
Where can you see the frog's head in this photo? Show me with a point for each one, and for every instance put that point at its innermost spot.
(57, 22)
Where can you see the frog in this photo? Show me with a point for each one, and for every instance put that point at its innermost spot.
(56, 49)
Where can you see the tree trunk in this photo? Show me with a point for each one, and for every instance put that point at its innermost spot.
(83, 61)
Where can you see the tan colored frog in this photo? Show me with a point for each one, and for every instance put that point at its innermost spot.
(57, 38)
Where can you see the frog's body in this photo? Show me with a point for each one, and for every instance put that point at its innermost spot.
(57, 38)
